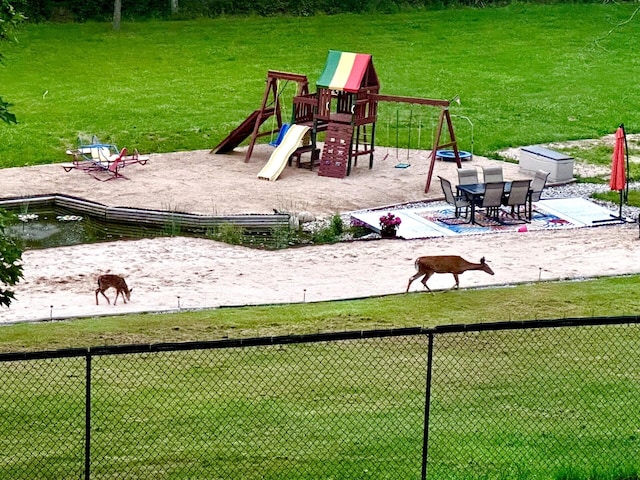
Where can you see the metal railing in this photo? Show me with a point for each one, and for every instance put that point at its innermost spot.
(502, 400)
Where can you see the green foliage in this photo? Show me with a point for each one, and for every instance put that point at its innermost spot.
(330, 233)
(5, 115)
(172, 227)
(10, 261)
(9, 20)
(229, 233)
(85, 10)
(505, 405)
(283, 237)
(600, 154)
(101, 10)
(336, 224)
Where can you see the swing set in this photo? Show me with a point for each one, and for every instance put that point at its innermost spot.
(444, 121)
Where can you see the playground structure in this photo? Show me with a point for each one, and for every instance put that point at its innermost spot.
(344, 107)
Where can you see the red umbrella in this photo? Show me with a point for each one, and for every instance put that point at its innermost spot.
(618, 176)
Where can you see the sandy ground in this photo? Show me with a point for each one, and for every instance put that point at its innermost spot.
(184, 273)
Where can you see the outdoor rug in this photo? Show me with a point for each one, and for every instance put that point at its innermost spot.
(439, 220)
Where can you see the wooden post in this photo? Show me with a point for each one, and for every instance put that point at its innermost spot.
(265, 112)
(444, 116)
(272, 85)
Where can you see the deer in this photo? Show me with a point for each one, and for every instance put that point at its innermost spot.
(116, 281)
(453, 264)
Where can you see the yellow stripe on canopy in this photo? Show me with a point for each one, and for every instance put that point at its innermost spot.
(343, 70)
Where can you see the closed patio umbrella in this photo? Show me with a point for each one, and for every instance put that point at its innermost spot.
(618, 175)
(618, 180)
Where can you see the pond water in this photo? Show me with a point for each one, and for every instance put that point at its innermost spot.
(56, 227)
(55, 221)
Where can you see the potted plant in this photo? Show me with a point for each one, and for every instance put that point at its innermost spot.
(389, 225)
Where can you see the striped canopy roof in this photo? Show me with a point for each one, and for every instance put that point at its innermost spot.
(344, 71)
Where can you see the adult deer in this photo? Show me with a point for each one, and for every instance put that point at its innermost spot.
(453, 264)
(116, 281)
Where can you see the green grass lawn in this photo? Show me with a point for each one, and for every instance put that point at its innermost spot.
(505, 404)
(607, 296)
(525, 74)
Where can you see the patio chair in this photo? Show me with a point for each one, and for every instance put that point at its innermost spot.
(537, 186)
(492, 174)
(492, 199)
(517, 197)
(458, 201)
(467, 176)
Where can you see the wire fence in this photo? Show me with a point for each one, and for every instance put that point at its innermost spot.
(509, 400)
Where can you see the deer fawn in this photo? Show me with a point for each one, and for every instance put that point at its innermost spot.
(116, 281)
(453, 264)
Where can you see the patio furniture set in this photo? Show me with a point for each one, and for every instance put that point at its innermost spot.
(493, 193)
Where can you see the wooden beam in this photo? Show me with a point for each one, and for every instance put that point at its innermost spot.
(415, 100)
(294, 77)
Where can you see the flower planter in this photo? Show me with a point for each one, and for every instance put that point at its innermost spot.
(389, 225)
(388, 233)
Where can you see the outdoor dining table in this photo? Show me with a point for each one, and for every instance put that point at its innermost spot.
(475, 191)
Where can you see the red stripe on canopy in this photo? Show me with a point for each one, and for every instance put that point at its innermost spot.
(360, 65)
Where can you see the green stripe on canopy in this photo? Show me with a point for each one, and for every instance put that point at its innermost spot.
(333, 59)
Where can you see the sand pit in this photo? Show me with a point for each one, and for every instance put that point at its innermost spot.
(171, 273)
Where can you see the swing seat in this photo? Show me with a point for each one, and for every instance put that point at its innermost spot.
(281, 134)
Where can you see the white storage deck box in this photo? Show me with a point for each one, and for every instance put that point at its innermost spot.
(559, 165)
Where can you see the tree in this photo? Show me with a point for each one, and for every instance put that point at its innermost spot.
(10, 252)
(9, 20)
(117, 14)
(10, 261)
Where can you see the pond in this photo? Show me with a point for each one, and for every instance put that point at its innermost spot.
(48, 227)
(56, 220)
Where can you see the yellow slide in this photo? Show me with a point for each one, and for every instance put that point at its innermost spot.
(280, 156)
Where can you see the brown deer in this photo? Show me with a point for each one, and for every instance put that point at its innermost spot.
(453, 264)
(116, 281)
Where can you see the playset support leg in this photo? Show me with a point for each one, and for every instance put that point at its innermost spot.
(445, 116)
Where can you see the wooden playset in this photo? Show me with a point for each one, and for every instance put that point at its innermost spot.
(345, 107)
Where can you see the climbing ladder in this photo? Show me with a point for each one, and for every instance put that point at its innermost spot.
(336, 153)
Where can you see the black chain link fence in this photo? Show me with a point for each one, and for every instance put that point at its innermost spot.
(514, 400)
